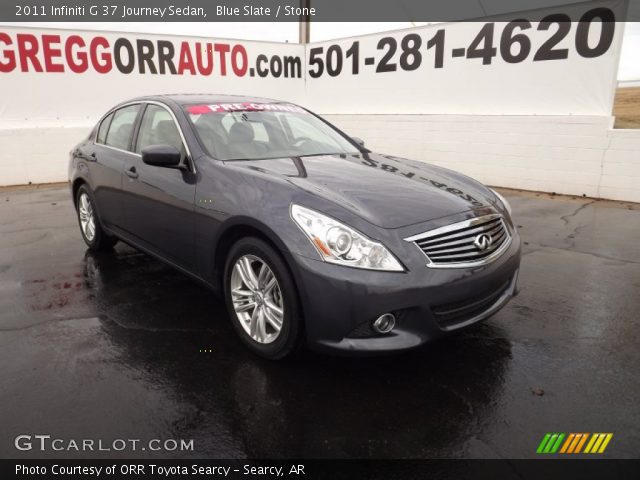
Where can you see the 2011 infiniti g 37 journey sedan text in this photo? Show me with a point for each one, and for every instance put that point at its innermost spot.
(309, 236)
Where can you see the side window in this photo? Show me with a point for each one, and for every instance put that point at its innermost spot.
(104, 126)
(158, 128)
(121, 127)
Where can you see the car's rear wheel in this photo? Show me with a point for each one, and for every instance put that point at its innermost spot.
(92, 233)
(262, 299)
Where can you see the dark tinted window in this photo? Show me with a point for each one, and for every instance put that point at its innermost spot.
(158, 128)
(104, 126)
(121, 127)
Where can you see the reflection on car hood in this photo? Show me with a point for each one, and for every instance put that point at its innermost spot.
(386, 191)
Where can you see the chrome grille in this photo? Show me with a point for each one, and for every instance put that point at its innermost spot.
(464, 244)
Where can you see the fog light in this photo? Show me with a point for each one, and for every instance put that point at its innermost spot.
(384, 323)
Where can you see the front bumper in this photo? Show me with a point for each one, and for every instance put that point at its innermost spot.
(339, 303)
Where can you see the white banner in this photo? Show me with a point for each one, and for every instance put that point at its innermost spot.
(550, 67)
(72, 77)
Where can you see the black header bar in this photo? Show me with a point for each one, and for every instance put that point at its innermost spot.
(290, 10)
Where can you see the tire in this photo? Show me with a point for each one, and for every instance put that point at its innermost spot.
(262, 318)
(90, 228)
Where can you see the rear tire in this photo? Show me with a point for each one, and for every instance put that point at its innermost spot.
(262, 299)
(92, 233)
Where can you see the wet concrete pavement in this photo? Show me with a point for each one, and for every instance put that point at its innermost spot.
(112, 346)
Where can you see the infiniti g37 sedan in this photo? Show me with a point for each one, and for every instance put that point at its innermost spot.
(310, 237)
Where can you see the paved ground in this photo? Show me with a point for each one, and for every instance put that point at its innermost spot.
(109, 346)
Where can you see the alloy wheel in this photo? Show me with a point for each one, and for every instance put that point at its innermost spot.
(87, 217)
(257, 299)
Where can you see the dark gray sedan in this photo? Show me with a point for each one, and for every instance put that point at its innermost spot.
(310, 237)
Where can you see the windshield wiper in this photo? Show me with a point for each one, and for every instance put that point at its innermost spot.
(320, 154)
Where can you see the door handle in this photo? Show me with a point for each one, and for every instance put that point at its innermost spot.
(89, 158)
(131, 173)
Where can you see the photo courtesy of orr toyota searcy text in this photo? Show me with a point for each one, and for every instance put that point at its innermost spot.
(54, 53)
(163, 471)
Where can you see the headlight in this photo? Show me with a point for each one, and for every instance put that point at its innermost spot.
(503, 200)
(338, 243)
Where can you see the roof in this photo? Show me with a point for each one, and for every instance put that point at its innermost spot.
(208, 98)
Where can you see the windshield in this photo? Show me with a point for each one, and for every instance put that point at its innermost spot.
(254, 131)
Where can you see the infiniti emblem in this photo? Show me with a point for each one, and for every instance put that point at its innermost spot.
(483, 241)
(258, 299)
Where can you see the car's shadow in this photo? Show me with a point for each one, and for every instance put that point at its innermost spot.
(425, 403)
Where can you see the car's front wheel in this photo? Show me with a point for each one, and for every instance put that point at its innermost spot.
(262, 299)
(92, 233)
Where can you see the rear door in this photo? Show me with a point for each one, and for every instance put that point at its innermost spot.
(111, 151)
(159, 201)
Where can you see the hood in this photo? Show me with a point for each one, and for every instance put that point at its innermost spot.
(386, 191)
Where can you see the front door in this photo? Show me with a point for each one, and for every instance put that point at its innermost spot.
(158, 202)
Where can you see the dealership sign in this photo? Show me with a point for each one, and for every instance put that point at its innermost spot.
(55, 53)
(512, 66)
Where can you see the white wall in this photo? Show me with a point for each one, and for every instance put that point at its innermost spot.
(37, 154)
(563, 154)
(621, 166)
(574, 155)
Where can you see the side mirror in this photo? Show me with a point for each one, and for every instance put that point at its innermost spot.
(359, 141)
(161, 155)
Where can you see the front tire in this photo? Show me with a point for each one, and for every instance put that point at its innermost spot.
(92, 233)
(262, 299)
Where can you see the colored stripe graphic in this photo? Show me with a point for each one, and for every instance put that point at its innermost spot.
(555, 447)
(543, 443)
(573, 443)
(598, 443)
(550, 443)
(581, 443)
(591, 442)
(568, 442)
(605, 443)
